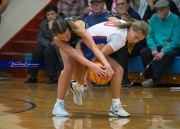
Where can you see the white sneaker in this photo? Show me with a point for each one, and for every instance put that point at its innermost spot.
(77, 94)
(118, 111)
(117, 122)
(59, 110)
(59, 121)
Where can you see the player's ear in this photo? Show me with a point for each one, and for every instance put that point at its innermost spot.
(131, 28)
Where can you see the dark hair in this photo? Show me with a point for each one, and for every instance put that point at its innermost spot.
(51, 7)
(61, 25)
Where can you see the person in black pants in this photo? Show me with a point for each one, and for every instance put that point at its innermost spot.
(47, 50)
(162, 43)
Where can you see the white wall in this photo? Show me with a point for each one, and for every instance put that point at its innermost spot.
(16, 15)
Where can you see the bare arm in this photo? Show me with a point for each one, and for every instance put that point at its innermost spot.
(72, 52)
(3, 5)
(87, 38)
(65, 47)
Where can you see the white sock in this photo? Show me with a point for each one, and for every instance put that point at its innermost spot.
(60, 101)
(116, 102)
(78, 86)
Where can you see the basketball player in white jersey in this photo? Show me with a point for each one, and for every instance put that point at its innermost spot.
(110, 36)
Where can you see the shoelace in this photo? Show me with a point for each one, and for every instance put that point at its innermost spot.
(78, 92)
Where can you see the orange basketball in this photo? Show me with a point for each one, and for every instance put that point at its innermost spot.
(96, 79)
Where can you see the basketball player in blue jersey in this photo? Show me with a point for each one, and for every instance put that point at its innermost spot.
(66, 36)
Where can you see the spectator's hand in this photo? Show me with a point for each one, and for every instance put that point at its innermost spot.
(151, 3)
(122, 12)
(50, 23)
(159, 56)
(154, 53)
(87, 10)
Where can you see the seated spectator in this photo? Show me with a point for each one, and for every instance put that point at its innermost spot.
(162, 42)
(99, 13)
(123, 54)
(47, 49)
(71, 7)
(151, 10)
(139, 6)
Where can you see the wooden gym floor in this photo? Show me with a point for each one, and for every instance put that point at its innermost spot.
(30, 106)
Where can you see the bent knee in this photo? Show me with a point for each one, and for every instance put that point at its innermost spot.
(118, 70)
(69, 67)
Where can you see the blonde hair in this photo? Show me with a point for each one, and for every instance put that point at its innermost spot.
(138, 26)
(74, 27)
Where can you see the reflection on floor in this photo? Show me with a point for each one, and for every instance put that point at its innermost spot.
(30, 107)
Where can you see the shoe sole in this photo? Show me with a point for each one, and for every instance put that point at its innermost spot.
(73, 94)
(115, 115)
(59, 115)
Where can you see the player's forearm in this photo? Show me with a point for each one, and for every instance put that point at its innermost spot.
(101, 57)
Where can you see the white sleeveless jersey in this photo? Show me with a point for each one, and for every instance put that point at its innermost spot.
(107, 29)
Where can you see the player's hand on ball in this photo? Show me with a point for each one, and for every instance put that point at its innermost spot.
(103, 77)
(99, 70)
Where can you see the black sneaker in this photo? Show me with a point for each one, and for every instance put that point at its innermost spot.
(4, 75)
(52, 80)
(126, 83)
(31, 80)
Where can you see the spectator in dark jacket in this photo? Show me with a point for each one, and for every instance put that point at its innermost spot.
(47, 49)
